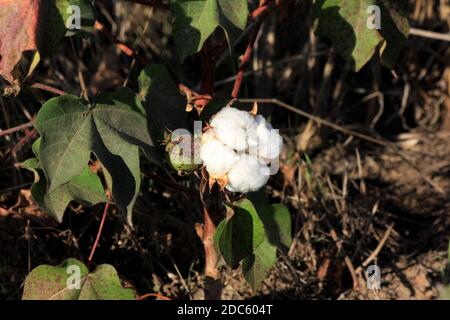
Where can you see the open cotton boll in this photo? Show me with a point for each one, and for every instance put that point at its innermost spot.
(232, 136)
(230, 126)
(248, 174)
(263, 140)
(217, 157)
(231, 116)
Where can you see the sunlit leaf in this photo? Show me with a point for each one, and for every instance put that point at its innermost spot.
(60, 283)
(241, 234)
(345, 23)
(196, 20)
(113, 129)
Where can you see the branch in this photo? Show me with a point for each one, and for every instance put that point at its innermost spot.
(120, 45)
(213, 285)
(15, 129)
(244, 61)
(429, 34)
(155, 295)
(47, 88)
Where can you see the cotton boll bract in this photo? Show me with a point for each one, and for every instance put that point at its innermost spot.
(248, 174)
(217, 157)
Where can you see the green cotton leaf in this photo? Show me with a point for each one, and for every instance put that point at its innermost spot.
(122, 112)
(345, 23)
(196, 20)
(218, 234)
(113, 129)
(277, 224)
(65, 126)
(257, 265)
(120, 162)
(78, 16)
(35, 147)
(31, 164)
(277, 235)
(104, 284)
(242, 233)
(162, 101)
(86, 189)
(60, 283)
(395, 30)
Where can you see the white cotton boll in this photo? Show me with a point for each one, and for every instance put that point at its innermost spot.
(263, 140)
(248, 174)
(217, 157)
(232, 136)
(231, 116)
(230, 126)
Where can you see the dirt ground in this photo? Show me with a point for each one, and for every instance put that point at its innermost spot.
(384, 190)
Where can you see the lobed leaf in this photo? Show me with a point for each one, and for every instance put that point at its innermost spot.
(51, 283)
(65, 126)
(162, 101)
(345, 23)
(113, 129)
(86, 189)
(257, 265)
(196, 20)
(241, 234)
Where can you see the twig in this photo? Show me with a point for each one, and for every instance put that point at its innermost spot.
(151, 3)
(269, 66)
(15, 129)
(48, 88)
(123, 47)
(348, 132)
(377, 249)
(99, 232)
(347, 260)
(156, 295)
(430, 34)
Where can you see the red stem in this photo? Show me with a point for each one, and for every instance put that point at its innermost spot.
(156, 295)
(263, 7)
(244, 61)
(48, 88)
(99, 232)
(15, 129)
(123, 47)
